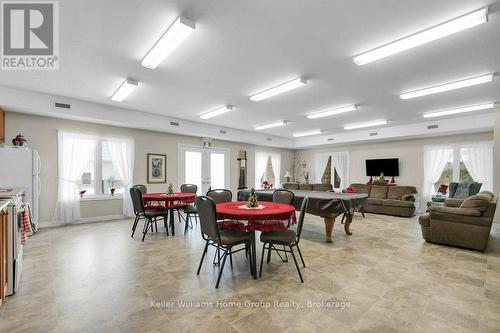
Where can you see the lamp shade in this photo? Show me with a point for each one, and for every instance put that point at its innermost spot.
(288, 174)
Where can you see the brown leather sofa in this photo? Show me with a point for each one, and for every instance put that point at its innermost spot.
(461, 222)
(307, 187)
(389, 200)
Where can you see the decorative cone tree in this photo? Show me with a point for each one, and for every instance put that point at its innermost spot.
(170, 189)
(252, 199)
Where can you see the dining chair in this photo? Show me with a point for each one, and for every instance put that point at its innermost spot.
(283, 196)
(286, 238)
(223, 240)
(141, 188)
(189, 210)
(150, 216)
(220, 195)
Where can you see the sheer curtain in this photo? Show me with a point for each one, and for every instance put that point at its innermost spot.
(122, 157)
(276, 161)
(340, 162)
(478, 159)
(321, 160)
(75, 151)
(435, 159)
(260, 167)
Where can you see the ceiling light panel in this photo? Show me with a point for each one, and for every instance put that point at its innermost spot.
(124, 90)
(439, 31)
(308, 133)
(448, 86)
(331, 112)
(464, 109)
(270, 125)
(367, 124)
(279, 89)
(171, 39)
(217, 112)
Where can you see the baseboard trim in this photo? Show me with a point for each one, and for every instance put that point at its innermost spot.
(48, 224)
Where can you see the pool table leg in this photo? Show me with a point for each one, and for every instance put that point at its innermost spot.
(347, 223)
(329, 222)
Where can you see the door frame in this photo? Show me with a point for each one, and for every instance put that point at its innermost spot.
(205, 159)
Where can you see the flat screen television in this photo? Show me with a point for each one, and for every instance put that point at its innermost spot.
(389, 166)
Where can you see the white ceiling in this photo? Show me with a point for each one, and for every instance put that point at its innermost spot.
(242, 47)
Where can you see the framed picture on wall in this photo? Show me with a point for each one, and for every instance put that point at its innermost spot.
(157, 168)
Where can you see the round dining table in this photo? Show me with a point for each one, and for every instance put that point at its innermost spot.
(169, 202)
(268, 216)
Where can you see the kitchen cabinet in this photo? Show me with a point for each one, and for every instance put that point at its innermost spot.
(3, 254)
(2, 125)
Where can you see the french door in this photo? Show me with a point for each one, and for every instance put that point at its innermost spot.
(205, 167)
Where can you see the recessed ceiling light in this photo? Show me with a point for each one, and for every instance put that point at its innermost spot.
(448, 86)
(217, 112)
(465, 109)
(436, 32)
(308, 133)
(368, 124)
(331, 112)
(124, 90)
(172, 38)
(279, 89)
(271, 125)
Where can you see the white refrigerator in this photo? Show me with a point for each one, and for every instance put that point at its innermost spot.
(20, 167)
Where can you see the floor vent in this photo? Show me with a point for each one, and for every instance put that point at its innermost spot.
(174, 123)
(432, 126)
(62, 105)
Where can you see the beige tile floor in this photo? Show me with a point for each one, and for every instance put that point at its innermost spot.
(383, 278)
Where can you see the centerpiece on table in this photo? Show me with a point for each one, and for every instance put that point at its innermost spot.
(252, 199)
(170, 190)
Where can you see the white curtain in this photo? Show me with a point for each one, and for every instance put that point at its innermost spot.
(435, 159)
(75, 151)
(276, 161)
(122, 157)
(479, 162)
(321, 160)
(260, 167)
(340, 162)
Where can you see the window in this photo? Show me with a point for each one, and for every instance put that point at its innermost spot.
(267, 168)
(101, 174)
(458, 163)
(327, 175)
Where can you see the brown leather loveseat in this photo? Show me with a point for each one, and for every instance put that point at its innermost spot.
(307, 187)
(461, 222)
(390, 200)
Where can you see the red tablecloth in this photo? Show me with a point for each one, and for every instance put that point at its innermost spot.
(275, 216)
(169, 201)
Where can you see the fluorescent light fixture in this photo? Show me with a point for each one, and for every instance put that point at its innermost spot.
(217, 112)
(271, 125)
(331, 112)
(448, 86)
(436, 32)
(279, 89)
(465, 109)
(308, 133)
(124, 90)
(363, 125)
(172, 38)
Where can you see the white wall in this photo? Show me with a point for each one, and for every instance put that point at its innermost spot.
(496, 152)
(42, 135)
(409, 152)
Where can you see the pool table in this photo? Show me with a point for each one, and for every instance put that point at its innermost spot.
(328, 205)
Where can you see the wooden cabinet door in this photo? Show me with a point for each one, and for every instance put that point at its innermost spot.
(2, 125)
(3, 255)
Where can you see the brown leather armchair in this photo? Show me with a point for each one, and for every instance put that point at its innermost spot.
(463, 223)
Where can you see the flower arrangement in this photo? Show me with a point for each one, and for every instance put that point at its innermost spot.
(265, 185)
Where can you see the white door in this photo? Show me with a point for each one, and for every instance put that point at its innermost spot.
(205, 167)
